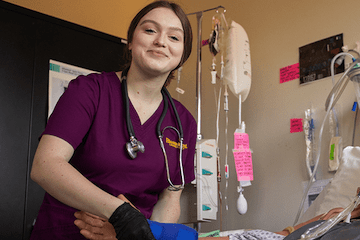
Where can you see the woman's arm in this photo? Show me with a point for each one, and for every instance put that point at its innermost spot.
(52, 171)
(167, 209)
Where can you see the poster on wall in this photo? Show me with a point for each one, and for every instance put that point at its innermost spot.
(60, 75)
(315, 59)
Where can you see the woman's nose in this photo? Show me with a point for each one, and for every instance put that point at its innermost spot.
(159, 41)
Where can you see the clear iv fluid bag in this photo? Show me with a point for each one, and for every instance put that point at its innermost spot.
(237, 72)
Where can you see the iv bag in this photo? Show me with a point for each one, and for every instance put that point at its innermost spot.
(237, 72)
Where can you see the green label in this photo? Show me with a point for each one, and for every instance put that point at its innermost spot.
(54, 67)
(332, 150)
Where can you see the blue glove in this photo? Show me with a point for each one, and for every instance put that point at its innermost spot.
(172, 231)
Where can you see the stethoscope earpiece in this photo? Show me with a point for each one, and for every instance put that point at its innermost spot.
(134, 146)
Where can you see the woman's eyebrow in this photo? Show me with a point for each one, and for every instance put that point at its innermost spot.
(158, 25)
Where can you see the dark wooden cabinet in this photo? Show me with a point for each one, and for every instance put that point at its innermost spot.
(28, 40)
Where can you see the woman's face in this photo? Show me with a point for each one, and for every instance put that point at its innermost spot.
(158, 42)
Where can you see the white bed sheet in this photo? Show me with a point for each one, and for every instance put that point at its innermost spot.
(341, 189)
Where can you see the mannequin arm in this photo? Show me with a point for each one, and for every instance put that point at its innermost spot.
(167, 209)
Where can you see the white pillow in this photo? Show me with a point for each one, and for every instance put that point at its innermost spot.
(341, 189)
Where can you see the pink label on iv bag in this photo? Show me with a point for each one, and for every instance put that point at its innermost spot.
(242, 157)
(241, 140)
(243, 164)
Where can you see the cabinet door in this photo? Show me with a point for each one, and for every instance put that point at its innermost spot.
(71, 44)
(17, 43)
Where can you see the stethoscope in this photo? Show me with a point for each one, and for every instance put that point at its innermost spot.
(134, 146)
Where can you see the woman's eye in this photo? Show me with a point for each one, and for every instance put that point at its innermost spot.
(174, 38)
(149, 30)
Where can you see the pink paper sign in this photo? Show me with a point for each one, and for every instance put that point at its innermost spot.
(242, 157)
(296, 125)
(289, 73)
(241, 140)
(243, 164)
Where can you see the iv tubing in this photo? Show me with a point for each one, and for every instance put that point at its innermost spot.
(217, 104)
(332, 69)
(320, 229)
(178, 81)
(333, 63)
(330, 104)
(240, 111)
(226, 108)
(335, 89)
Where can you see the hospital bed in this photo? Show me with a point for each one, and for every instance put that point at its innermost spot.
(341, 188)
(339, 192)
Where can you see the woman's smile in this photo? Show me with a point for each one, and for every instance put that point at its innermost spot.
(158, 53)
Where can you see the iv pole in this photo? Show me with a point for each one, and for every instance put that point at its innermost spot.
(199, 16)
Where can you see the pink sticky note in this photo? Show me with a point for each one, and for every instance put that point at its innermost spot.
(243, 164)
(289, 73)
(296, 125)
(241, 141)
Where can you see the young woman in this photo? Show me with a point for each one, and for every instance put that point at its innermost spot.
(82, 160)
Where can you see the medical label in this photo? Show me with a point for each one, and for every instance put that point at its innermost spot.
(242, 157)
(241, 140)
(289, 73)
(243, 164)
(296, 125)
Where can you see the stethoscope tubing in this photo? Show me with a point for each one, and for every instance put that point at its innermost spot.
(175, 112)
(180, 133)
(127, 107)
(172, 186)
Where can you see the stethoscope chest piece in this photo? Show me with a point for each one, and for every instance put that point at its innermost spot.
(134, 146)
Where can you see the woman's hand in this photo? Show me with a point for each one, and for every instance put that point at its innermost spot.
(94, 227)
(97, 228)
